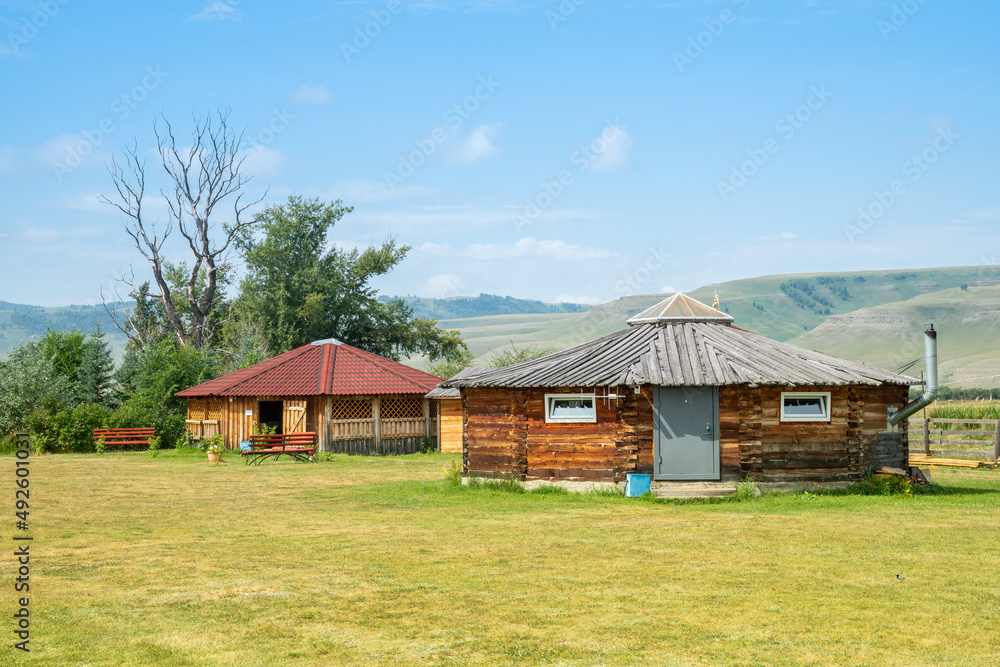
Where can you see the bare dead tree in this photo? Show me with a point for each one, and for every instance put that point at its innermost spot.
(202, 175)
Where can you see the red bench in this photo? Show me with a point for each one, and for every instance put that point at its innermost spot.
(299, 446)
(114, 437)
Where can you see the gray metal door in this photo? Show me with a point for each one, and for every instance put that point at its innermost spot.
(686, 433)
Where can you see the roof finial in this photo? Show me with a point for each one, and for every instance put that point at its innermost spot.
(715, 303)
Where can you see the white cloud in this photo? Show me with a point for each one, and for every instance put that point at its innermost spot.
(465, 217)
(39, 235)
(572, 298)
(435, 248)
(444, 285)
(69, 151)
(263, 161)
(311, 95)
(611, 150)
(558, 250)
(358, 190)
(478, 145)
(218, 11)
(778, 237)
(668, 289)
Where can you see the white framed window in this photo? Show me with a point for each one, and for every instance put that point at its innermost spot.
(569, 408)
(805, 406)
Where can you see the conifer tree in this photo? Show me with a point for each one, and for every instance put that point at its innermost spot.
(96, 370)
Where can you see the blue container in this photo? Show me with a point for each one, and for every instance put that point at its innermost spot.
(636, 485)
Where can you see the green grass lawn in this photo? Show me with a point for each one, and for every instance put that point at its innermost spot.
(171, 561)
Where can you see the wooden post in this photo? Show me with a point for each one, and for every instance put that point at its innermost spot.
(927, 436)
(427, 418)
(377, 421)
(437, 423)
(996, 441)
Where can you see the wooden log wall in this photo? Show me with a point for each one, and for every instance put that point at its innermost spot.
(493, 446)
(871, 405)
(505, 434)
(585, 452)
(754, 439)
(634, 449)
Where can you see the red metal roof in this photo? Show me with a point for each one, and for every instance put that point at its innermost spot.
(322, 367)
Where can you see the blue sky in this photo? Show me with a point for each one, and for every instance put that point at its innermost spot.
(575, 150)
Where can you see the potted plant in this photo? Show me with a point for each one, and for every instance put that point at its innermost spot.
(216, 447)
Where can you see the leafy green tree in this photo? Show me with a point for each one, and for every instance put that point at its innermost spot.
(146, 323)
(241, 342)
(448, 367)
(508, 356)
(29, 383)
(64, 350)
(301, 289)
(168, 368)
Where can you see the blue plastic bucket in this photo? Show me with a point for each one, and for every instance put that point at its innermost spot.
(636, 485)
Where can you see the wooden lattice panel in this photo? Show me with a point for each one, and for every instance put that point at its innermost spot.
(350, 408)
(402, 408)
(214, 410)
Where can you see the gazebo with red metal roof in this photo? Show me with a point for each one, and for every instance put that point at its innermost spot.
(357, 402)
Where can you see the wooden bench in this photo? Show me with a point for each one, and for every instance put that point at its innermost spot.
(299, 446)
(114, 437)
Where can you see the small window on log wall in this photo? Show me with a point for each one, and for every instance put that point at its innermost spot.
(569, 408)
(805, 406)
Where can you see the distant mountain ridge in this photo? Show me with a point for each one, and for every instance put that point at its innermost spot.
(874, 317)
(20, 323)
(484, 305)
(852, 308)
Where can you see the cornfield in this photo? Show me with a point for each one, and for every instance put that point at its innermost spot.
(950, 436)
(964, 410)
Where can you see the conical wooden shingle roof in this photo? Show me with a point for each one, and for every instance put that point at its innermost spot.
(673, 350)
(680, 308)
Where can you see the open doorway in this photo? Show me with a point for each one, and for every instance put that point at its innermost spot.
(270, 414)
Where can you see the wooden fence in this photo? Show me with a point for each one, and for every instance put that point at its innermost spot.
(923, 436)
(380, 447)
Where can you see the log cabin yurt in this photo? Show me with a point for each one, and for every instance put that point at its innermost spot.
(684, 396)
(355, 401)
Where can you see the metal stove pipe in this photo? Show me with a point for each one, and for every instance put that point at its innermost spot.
(931, 379)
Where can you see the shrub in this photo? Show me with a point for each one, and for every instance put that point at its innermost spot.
(453, 473)
(154, 446)
(889, 485)
(140, 412)
(185, 441)
(746, 490)
(67, 430)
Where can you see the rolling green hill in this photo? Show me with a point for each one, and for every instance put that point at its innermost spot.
(890, 335)
(21, 323)
(872, 316)
(457, 307)
(822, 311)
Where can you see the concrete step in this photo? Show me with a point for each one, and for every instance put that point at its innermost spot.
(692, 489)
